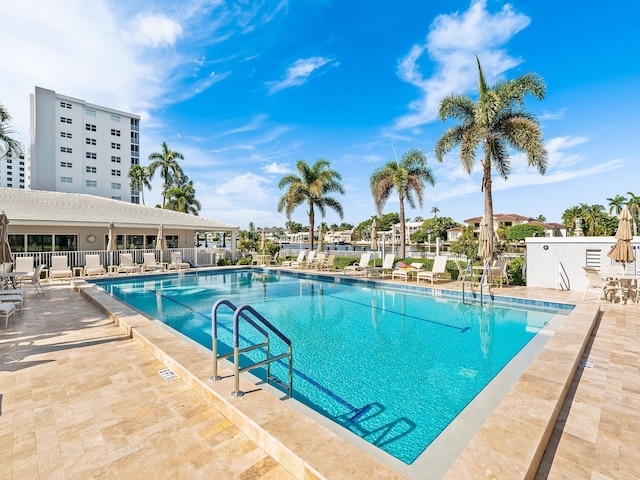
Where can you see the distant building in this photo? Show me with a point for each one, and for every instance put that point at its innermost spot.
(453, 234)
(509, 219)
(14, 172)
(79, 147)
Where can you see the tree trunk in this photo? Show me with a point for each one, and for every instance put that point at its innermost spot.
(488, 201)
(311, 225)
(402, 228)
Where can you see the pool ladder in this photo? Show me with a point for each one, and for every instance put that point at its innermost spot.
(258, 322)
(468, 277)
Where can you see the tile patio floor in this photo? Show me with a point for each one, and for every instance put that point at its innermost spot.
(80, 399)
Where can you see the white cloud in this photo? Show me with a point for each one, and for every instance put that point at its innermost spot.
(277, 168)
(298, 73)
(156, 31)
(452, 44)
(557, 115)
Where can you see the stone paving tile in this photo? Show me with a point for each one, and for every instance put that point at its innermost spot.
(79, 399)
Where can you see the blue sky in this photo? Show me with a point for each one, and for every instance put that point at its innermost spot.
(244, 89)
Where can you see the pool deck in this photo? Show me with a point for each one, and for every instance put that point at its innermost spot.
(81, 397)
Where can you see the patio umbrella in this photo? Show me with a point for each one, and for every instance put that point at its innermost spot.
(161, 242)
(320, 238)
(622, 251)
(5, 249)
(484, 242)
(374, 235)
(111, 246)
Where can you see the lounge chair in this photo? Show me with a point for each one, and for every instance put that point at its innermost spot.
(16, 299)
(606, 289)
(7, 310)
(329, 264)
(360, 268)
(60, 268)
(498, 272)
(298, 261)
(177, 263)
(319, 260)
(387, 267)
(150, 263)
(438, 272)
(24, 264)
(406, 272)
(93, 266)
(127, 265)
(34, 279)
(309, 262)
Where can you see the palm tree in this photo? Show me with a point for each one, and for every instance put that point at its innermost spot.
(634, 208)
(167, 162)
(182, 198)
(311, 186)
(615, 204)
(139, 176)
(495, 122)
(569, 217)
(407, 177)
(8, 146)
(593, 215)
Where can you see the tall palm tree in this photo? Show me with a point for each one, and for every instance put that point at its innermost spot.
(407, 177)
(167, 162)
(593, 216)
(139, 179)
(182, 198)
(615, 204)
(633, 204)
(8, 145)
(496, 122)
(569, 217)
(311, 186)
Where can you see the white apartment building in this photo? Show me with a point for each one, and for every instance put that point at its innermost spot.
(14, 172)
(79, 147)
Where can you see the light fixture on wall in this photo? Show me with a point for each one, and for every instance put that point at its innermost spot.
(91, 238)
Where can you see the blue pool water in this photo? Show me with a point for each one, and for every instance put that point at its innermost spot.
(394, 367)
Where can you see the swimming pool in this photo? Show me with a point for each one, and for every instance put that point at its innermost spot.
(394, 367)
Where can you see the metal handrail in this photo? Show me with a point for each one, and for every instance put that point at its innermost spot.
(239, 312)
(562, 279)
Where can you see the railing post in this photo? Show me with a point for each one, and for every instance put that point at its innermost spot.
(236, 355)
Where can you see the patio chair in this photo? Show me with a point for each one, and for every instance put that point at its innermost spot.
(438, 272)
(309, 262)
(387, 267)
(498, 272)
(34, 279)
(60, 268)
(360, 268)
(7, 310)
(127, 265)
(16, 299)
(150, 264)
(177, 263)
(406, 272)
(93, 266)
(606, 288)
(295, 263)
(329, 264)
(24, 264)
(318, 260)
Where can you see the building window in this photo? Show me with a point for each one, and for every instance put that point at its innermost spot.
(90, 127)
(91, 183)
(66, 164)
(115, 145)
(39, 243)
(115, 132)
(172, 241)
(116, 186)
(66, 180)
(115, 159)
(65, 105)
(65, 120)
(135, 161)
(135, 148)
(66, 149)
(92, 169)
(115, 118)
(135, 200)
(90, 141)
(65, 243)
(65, 135)
(115, 197)
(91, 155)
(115, 173)
(89, 112)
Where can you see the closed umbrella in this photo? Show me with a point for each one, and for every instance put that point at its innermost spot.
(374, 235)
(622, 251)
(484, 242)
(111, 245)
(5, 249)
(161, 242)
(263, 242)
(320, 238)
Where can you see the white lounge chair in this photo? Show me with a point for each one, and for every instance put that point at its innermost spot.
(60, 268)
(309, 262)
(438, 272)
(606, 289)
(329, 264)
(319, 260)
(406, 273)
(177, 263)
(298, 261)
(7, 310)
(24, 264)
(150, 263)
(360, 268)
(17, 300)
(127, 265)
(93, 266)
(387, 267)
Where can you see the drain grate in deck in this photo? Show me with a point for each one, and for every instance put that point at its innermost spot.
(586, 363)
(167, 374)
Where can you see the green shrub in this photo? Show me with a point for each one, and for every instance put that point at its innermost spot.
(246, 260)
(514, 271)
(224, 262)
